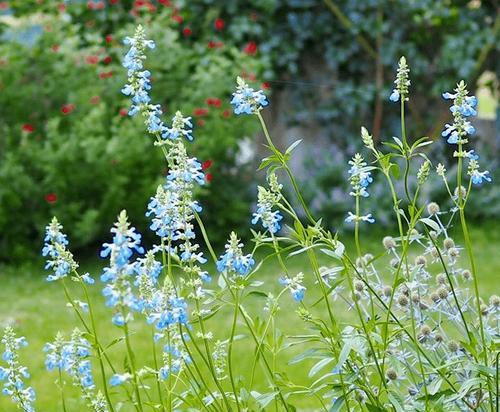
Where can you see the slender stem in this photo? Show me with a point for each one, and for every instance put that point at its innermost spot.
(155, 362)
(230, 349)
(131, 361)
(61, 383)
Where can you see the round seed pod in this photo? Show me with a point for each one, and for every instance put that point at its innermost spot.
(462, 189)
(389, 242)
(454, 252)
(453, 346)
(425, 330)
(466, 274)
(442, 292)
(434, 297)
(484, 309)
(495, 301)
(368, 258)
(439, 338)
(391, 374)
(387, 291)
(415, 298)
(402, 301)
(434, 253)
(441, 279)
(420, 260)
(433, 208)
(359, 286)
(448, 243)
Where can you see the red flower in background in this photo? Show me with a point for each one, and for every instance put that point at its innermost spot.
(265, 85)
(226, 113)
(51, 197)
(200, 112)
(200, 122)
(4, 5)
(61, 7)
(28, 128)
(95, 99)
(107, 60)
(208, 177)
(92, 59)
(214, 101)
(114, 1)
(108, 38)
(206, 164)
(219, 24)
(67, 108)
(177, 18)
(250, 48)
(187, 32)
(123, 112)
(164, 2)
(55, 48)
(105, 75)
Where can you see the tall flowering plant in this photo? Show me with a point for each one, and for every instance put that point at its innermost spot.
(416, 336)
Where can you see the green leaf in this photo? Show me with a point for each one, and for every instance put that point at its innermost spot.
(319, 365)
(431, 223)
(293, 146)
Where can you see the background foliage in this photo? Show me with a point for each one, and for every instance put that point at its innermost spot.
(66, 147)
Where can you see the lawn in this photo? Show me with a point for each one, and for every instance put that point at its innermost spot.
(38, 310)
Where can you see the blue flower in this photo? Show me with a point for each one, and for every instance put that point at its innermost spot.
(117, 379)
(60, 260)
(14, 375)
(270, 219)
(297, 289)
(477, 177)
(234, 260)
(394, 97)
(246, 100)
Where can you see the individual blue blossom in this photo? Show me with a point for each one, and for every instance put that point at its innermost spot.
(266, 200)
(234, 260)
(476, 176)
(88, 279)
(119, 379)
(118, 290)
(402, 82)
(59, 259)
(351, 217)
(14, 374)
(465, 105)
(297, 289)
(246, 100)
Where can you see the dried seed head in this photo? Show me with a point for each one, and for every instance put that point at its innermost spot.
(414, 233)
(441, 279)
(425, 330)
(439, 338)
(389, 242)
(387, 291)
(454, 252)
(466, 274)
(359, 286)
(360, 262)
(415, 298)
(368, 258)
(434, 297)
(453, 346)
(357, 296)
(433, 208)
(394, 262)
(462, 189)
(403, 301)
(420, 260)
(433, 234)
(495, 301)
(442, 292)
(391, 374)
(448, 243)
(484, 309)
(405, 290)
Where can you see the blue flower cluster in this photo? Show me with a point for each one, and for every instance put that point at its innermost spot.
(60, 260)
(297, 289)
(462, 109)
(360, 178)
(118, 291)
(266, 200)
(234, 261)
(402, 82)
(14, 374)
(246, 100)
(71, 357)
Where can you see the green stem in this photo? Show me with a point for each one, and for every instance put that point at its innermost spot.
(131, 360)
(155, 362)
(230, 349)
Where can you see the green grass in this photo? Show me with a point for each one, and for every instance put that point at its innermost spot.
(38, 310)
